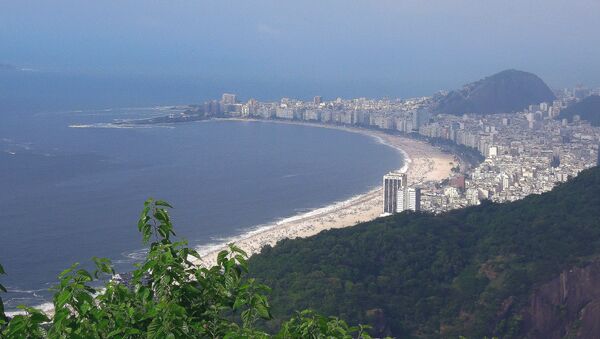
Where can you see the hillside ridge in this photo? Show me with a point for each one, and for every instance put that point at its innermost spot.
(465, 272)
(507, 91)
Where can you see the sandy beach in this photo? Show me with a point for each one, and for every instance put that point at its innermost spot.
(423, 162)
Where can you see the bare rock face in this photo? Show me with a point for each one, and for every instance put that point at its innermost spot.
(569, 305)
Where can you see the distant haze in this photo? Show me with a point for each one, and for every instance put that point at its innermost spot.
(268, 49)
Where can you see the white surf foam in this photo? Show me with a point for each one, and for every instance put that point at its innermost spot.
(119, 126)
(220, 243)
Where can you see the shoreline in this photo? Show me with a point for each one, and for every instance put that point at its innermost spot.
(422, 163)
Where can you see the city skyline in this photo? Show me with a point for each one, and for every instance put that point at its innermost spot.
(522, 153)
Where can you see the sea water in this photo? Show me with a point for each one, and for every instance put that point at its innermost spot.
(72, 184)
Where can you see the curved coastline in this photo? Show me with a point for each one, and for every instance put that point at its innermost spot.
(422, 162)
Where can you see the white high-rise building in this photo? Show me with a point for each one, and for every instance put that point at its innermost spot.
(409, 198)
(393, 183)
(493, 152)
(413, 199)
(505, 180)
(401, 200)
(228, 99)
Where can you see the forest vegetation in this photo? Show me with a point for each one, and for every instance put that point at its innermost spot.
(465, 272)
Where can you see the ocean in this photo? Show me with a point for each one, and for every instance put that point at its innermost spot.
(68, 194)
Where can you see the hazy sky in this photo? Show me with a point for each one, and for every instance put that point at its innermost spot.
(424, 44)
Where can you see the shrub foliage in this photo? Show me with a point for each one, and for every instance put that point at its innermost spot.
(168, 296)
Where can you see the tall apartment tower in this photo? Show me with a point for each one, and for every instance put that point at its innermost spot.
(409, 198)
(413, 198)
(228, 99)
(393, 182)
(401, 200)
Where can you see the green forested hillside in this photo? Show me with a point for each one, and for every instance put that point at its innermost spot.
(464, 272)
(508, 91)
(588, 109)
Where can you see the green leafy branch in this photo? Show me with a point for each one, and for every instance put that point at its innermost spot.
(169, 296)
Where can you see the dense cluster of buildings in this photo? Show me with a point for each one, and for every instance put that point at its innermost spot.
(528, 152)
(525, 153)
(402, 115)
